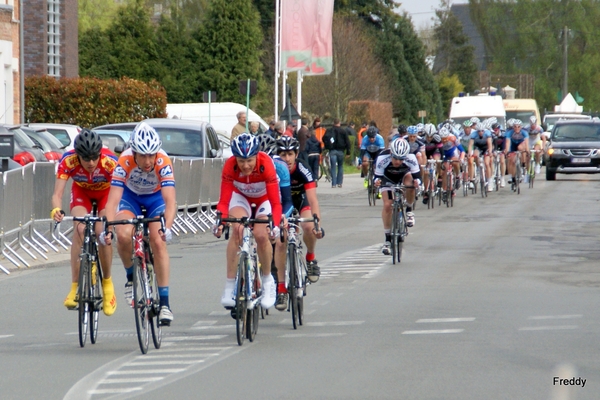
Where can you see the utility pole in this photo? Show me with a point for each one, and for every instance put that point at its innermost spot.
(565, 83)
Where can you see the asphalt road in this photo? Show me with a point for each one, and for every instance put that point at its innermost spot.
(494, 298)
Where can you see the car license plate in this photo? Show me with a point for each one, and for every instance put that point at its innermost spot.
(581, 160)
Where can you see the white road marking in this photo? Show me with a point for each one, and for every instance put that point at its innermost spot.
(334, 323)
(548, 328)
(184, 338)
(146, 371)
(432, 331)
(114, 391)
(542, 317)
(220, 312)
(435, 320)
(5, 336)
(180, 362)
(297, 335)
(190, 355)
(204, 323)
(130, 380)
(198, 328)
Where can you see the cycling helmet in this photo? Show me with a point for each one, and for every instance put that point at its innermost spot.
(496, 126)
(480, 127)
(287, 143)
(267, 143)
(532, 119)
(444, 133)
(402, 129)
(144, 139)
(467, 123)
(245, 145)
(400, 149)
(510, 123)
(430, 129)
(372, 132)
(420, 128)
(475, 120)
(517, 122)
(88, 144)
(412, 130)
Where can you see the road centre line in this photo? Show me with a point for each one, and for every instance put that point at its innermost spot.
(435, 320)
(548, 328)
(543, 317)
(432, 331)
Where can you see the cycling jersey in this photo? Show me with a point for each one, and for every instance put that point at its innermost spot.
(69, 167)
(371, 149)
(387, 173)
(433, 145)
(416, 147)
(498, 141)
(283, 174)
(452, 148)
(535, 136)
(301, 179)
(480, 142)
(261, 185)
(129, 176)
(516, 138)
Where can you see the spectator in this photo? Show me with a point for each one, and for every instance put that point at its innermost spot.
(240, 127)
(271, 130)
(254, 128)
(362, 130)
(336, 141)
(302, 136)
(313, 151)
(278, 129)
(318, 129)
(290, 130)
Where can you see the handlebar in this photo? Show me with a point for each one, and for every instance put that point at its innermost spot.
(135, 221)
(246, 221)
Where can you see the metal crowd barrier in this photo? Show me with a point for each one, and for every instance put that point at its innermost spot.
(25, 198)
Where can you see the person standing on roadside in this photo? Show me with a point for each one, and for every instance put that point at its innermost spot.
(313, 151)
(302, 137)
(253, 126)
(318, 129)
(271, 130)
(240, 127)
(278, 130)
(336, 141)
(290, 130)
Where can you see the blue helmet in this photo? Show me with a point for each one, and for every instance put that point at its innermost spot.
(245, 146)
(412, 130)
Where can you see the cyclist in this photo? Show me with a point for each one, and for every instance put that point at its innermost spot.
(516, 139)
(249, 178)
(401, 132)
(416, 145)
(433, 150)
(372, 144)
(396, 165)
(91, 166)
(144, 178)
(304, 197)
(452, 151)
(537, 141)
(498, 142)
(480, 142)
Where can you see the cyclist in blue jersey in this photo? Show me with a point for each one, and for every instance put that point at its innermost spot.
(480, 142)
(370, 147)
(452, 150)
(268, 144)
(516, 139)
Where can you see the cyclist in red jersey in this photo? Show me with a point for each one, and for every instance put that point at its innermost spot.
(90, 166)
(249, 178)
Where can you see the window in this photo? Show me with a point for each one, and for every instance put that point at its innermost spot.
(54, 38)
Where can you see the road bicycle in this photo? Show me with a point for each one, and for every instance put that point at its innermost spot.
(481, 175)
(432, 188)
(89, 289)
(497, 168)
(448, 176)
(531, 169)
(399, 229)
(372, 190)
(296, 270)
(519, 173)
(325, 166)
(146, 299)
(248, 290)
(464, 174)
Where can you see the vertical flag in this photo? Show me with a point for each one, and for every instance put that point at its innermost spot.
(306, 39)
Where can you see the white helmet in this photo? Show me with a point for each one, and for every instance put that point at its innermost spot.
(532, 119)
(430, 129)
(444, 132)
(145, 140)
(400, 149)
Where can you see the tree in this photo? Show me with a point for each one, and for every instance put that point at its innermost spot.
(455, 54)
(450, 86)
(95, 14)
(229, 41)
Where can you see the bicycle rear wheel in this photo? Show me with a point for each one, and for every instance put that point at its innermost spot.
(482, 183)
(293, 282)
(402, 232)
(301, 290)
(96, 303)
(531, 173)
(253, 314)
(83, 296)
(240, 300)
(394, 232)
(155, 324)
(141, 304)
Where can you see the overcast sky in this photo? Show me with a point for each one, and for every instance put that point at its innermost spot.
(422, 11)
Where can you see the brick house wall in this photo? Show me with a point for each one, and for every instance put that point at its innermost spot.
(35, 27)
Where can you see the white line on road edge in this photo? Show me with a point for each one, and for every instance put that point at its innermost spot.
(434, 320)
(548, 328)
(297, 335)
(432, 331)
(556, 316)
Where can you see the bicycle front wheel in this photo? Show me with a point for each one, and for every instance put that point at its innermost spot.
(301, 289)
(141, 304)
(240, 300)
(254, 313)
(293, 282)
(96, 304)
(83, 296)
(531, 173)
(155, 325)
(394, 232)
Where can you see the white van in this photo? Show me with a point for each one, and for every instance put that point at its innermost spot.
(522, 109)
(481, 106)
(222, 115)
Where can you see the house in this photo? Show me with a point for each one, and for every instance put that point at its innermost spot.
(10, 93)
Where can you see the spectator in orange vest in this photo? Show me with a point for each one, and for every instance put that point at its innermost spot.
(362, 130)
(318, 130)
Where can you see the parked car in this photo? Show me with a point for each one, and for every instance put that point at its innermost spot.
(53, 149)
(225, 143)
(113, 138)
(25, 151)
(573, 148)
(64, 132)
(180, 138)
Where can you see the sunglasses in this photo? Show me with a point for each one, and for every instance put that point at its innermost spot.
(88, 159)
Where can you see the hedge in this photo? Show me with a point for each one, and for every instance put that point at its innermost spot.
(90, 102)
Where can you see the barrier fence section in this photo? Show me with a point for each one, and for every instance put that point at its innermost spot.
(25, 203)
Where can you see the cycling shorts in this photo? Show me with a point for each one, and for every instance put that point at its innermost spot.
(263, 206)
(514, 146)
(499, 143)
(452, 153)
(534, 142)
(432, 152)
(81, 197)
(300, 203)
(153, 203)
(481, 149)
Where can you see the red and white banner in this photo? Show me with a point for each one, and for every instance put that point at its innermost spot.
(306, 39)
